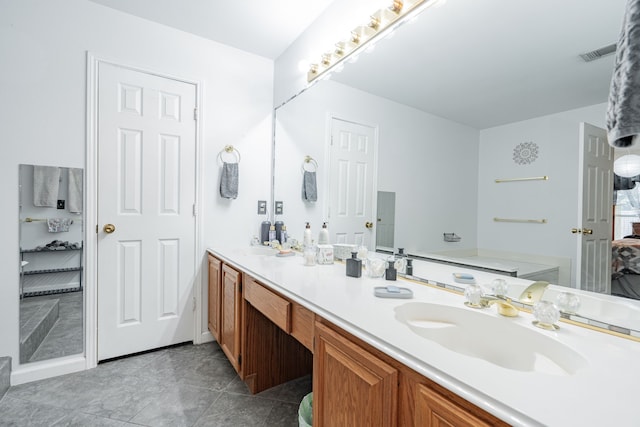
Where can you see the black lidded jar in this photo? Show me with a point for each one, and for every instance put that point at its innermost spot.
(391, 273)
(354, 265)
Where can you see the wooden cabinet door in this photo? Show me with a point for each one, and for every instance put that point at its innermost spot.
(434, 410)
(351, 387)
(230, 316)
(215, 279)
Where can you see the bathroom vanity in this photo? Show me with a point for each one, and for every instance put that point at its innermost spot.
(379, 361)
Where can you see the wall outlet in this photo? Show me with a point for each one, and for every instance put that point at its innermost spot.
(279, 208)
(262, 207)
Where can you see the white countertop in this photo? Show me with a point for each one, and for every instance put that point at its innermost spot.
(602, 393)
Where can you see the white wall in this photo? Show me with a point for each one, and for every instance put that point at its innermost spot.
(43, 47)
(556, 200)
(433, 195)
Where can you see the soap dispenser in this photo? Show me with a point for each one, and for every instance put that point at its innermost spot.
(390, 273)
(354, 265)
(323, 237)
(307, 239)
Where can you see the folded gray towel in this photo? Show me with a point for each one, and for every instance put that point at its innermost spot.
(623, 112)
(46, 183)
(74, 195)
(309, 187)
(229, 180)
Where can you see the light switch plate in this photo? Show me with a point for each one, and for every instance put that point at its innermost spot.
(279, 208)
(262, 207)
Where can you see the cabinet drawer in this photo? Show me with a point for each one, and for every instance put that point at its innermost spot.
(302, 321)
(273, 306)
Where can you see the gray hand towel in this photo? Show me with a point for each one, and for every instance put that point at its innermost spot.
(57, 225)
(46, 183)
(74, 196)
(623, 112)
(309, 187)
(229, 180)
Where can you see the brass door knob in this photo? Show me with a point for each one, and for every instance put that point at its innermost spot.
(109, 228)
(576, 230)
(587, 231)
(368, 224)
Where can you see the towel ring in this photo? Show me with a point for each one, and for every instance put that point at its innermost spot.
(308, 160)
(230, 149)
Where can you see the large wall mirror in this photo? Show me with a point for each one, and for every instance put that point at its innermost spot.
(51, 255)
(480, 122)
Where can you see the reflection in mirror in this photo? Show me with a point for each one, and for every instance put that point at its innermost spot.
(51, 255)
(505, 101)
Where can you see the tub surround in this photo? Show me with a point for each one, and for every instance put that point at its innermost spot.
(598, 392)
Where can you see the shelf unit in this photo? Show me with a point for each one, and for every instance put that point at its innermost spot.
(49, 271)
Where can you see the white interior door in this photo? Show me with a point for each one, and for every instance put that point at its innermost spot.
(595, 210)
(386, 223)
(352, 183)
(146, 190)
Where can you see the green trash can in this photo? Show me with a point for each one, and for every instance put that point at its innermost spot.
(305, 412)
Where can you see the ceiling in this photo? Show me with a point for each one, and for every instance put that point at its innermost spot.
(492, 62)
(262, 27)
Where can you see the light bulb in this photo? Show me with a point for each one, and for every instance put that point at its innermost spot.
(627, 165)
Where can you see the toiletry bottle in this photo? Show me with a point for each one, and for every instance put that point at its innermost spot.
(279, 225)
(323, 237)
(272, 233)
(409, 268)
(283, 234)
(354, 265)
(307, 240)
(390, 273)
(264, 231)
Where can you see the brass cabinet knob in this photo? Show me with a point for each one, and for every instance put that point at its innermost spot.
(368, 224)
(109, 228)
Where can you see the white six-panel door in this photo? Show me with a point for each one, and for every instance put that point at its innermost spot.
(352, 174)
(594, 234)
(146, 190)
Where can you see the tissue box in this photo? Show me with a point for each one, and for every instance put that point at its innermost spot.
(325, 254)
(343, 251)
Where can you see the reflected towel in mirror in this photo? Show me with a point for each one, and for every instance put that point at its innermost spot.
(229, 181)
(46, 183)
(74, 197)
(57, 225)
(623, 112)
(309, 187)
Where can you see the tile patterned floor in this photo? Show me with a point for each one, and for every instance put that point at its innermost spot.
(189, 385)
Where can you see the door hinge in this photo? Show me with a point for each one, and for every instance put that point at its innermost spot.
(195, 212)
(239, 359)
(195, 114)
(194, 303)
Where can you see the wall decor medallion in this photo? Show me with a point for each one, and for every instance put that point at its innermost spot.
(525, 153)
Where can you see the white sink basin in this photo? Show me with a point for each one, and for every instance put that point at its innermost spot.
(496, 340)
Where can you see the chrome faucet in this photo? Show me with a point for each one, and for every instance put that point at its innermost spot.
(533, 293)
(505, 307)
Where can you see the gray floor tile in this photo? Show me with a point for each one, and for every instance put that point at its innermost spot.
(235, 410)
(79, 419)
(177, 386)
(176, 406)
(18, 413)
(291, 392)
(283, 414)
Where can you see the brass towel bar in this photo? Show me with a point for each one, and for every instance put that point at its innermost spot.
(533, 178)
(529, 221)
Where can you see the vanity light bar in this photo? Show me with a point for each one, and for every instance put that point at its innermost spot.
(381, 23)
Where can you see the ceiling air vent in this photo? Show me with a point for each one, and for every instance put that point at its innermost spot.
(598, 53)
